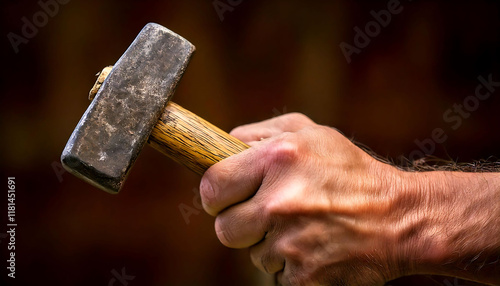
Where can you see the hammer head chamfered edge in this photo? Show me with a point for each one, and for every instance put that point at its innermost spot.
(118, 122)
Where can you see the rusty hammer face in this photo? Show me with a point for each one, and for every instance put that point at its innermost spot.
(133, 103)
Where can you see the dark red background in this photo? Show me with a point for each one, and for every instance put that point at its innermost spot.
(265, 58)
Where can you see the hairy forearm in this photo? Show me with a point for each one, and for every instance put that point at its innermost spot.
(454, 224)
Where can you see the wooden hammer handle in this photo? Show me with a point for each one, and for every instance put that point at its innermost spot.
(192, 141)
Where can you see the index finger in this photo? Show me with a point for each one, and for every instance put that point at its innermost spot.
(231, 181)
(290, 122)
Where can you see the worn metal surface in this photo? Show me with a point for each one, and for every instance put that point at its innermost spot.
(118, 122)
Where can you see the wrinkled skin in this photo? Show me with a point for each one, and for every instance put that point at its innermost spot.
(314, 209)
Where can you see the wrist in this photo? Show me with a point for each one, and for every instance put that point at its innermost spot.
(449, 223)
(425, 205)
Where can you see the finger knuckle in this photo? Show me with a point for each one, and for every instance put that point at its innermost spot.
(296, 117)
(284, 149)
(275, 209)
(257, 259)
(290, 252)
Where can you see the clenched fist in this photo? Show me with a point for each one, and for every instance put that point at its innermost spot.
(314, 209)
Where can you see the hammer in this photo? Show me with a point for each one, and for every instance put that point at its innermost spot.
(132, 107)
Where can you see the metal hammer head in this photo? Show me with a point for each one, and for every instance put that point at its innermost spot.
(118, 122)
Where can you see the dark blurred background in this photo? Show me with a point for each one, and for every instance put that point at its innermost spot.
(255, 60)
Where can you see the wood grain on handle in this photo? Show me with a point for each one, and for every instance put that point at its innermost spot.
(192, 141)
